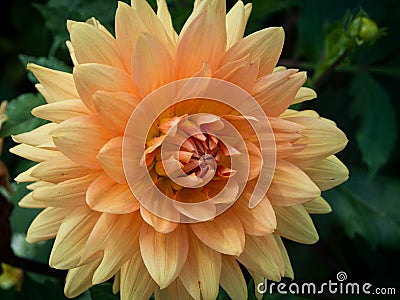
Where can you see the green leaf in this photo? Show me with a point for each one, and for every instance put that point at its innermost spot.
(103, 292)
(19, 117)
(222, 295)
(369, 209)
(377, 134)
(48, 62)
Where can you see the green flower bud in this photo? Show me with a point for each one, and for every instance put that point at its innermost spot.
(363, 29)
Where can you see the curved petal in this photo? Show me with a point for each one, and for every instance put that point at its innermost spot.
(106, 196)
(34, 153)
(69, 193)
(317, 206)
(262, 255)
(175, 291)
(59, 169)
(80, 139)
(203, 41)
(58, 112)
(45, 225)
(294, 223)
(224, 234)
(265, 44)
(304, 94)
(36, 137)
(58, 85)
(285, 257)
(165, 18)
(232, 279)
(110, 158)
(90, 78)
(136, 282)
(93, 45)
(328, 173)
(118, 237)
(164, 254)
(201, 273)
(72, 237)
(114, 109)
(152, 65)
(275, 92)
(235, 24)
(291, 185)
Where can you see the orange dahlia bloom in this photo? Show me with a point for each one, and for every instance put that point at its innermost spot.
(172, 205)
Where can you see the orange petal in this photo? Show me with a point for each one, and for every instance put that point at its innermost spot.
(294, 223)
(69, 193)
(265, 44)
(35, 137)
(256, 160)
(59, 169)
(91, 78)
(58, 85)
(163, 254)
(45, 225)
(224, 234)
(80, 139)
(34, 153)
(201, 273)
(60, 111)
(291, 185)
(110, 158)
(203, 41)
(28, 202)
(152, 65)
(117, 236)
(114, 109)
(106, 196)
(242, 72)
(275, 92)
(259, 220)
(136, 282)
(232, 279)
(93, 45)
(71, 238)
(262, 254)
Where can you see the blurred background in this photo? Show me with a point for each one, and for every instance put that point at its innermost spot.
(350, 51)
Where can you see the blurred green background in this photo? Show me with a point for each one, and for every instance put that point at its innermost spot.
(355, 69)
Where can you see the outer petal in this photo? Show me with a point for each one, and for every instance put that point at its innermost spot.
(34, 153)
(164, 254)
(165, 18)
(265, 44)
(35, 137)
(58, 112)
(317, 206)
(235, 24)
(80, 139)
(58, 85)
(262, 255)
(232, 279)
(59, 169)
(203, 41)
(114, 109)
(117, 236)
(175, 291)
(291, 185)
(275, 92)
(136, 282)
(322, 139)
(328, 173)
(46, 224)
(105, 195)
(224, 234)
(71, 238)
(110, 158)
(93, 45)
(304, 94)
(152, 65)
(91, 78)
(65, 194)
(259, 220)
(80, 279)
(285, 257)
(202, 270)
(295, 223)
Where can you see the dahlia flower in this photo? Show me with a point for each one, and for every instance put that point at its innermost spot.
(170, 160)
